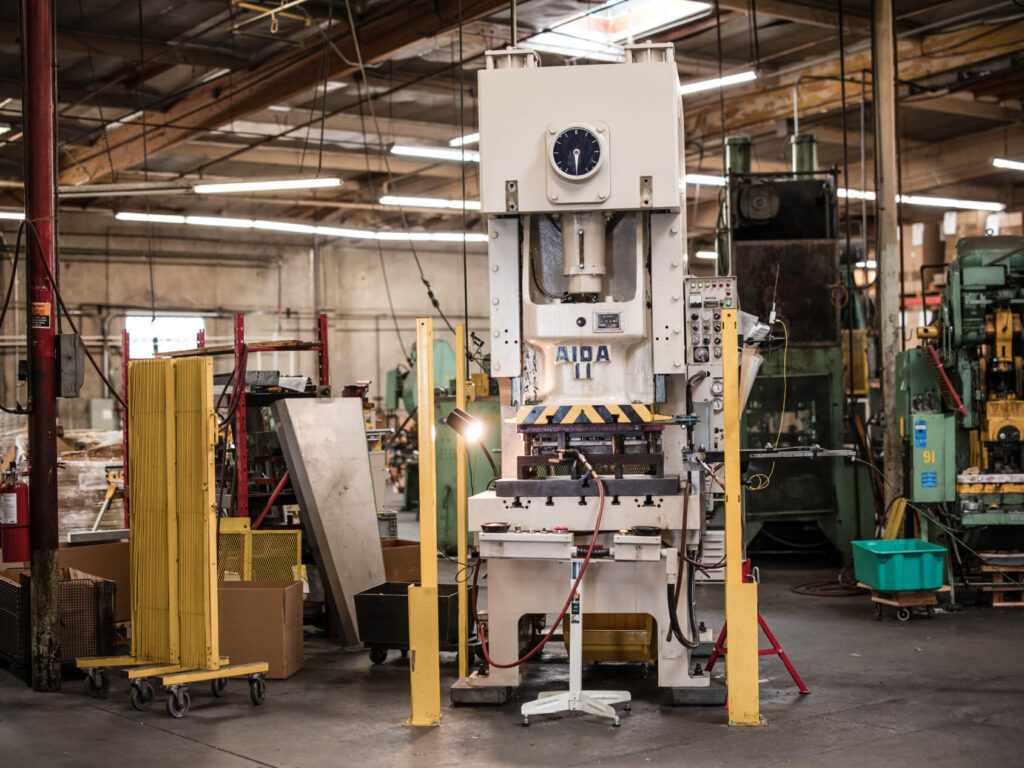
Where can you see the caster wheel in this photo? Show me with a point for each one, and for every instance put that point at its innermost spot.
(931, 611)
(97, 685)
(142, 695)
(903, 614)
(178, 703)
(257, 690)
(878, 611)
(219, 687)
(616, 722)
(628, 706)
(378, 655)
(405, 654)
(526, 722)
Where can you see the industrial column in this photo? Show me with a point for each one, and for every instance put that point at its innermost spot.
(39, 85)
(887, 251)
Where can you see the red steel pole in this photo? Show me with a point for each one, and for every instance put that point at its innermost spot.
(39, 99)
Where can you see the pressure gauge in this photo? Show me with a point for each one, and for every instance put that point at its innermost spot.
(576, 153)
(716, 387)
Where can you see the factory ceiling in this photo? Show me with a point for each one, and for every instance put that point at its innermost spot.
(179, 91)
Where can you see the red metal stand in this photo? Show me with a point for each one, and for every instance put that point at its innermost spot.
(775, 650)
(241, 448)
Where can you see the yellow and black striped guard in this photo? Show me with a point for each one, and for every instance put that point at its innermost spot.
(588, 414)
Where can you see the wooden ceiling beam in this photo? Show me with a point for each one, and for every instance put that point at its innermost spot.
(796, 12)
(965, 106)
(155, 52)
(293, 158)
(383, 32)
(818, 87)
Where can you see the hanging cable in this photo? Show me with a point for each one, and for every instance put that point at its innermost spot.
(572, 592)
(387, 167)
(18, 409)
(721, 89)
(380, 249)
(462, 144)
(760, 481)
(67, 314)
(947, 529)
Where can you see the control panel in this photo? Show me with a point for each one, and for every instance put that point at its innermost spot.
(705, 298)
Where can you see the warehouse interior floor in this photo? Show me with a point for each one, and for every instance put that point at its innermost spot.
(927, 692)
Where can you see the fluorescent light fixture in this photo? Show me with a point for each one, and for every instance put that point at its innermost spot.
(284, 226)
(869, 264)
(279, 108)
(296, 228)
(5, 128)
(153, 218)
(462, 141)
(949, 202)
(265, 186)
(436, 153)
(330, 85)
(1011, 165)
(707, 255)
(574, 47)
(717, 82)
(12, 215)
(704, 180)
(856, 194)
(430, 202)
(219, 221)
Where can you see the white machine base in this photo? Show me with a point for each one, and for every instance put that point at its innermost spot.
(592, 702)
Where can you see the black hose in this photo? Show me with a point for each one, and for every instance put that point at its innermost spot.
(674, 618)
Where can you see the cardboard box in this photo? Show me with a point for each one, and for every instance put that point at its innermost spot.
(959, 224)
(109, 561)
(922, 247)
(401, 559)
(262, 621)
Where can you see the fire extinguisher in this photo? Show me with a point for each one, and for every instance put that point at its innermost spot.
(14, 518)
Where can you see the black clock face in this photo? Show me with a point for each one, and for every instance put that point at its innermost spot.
(576, 152)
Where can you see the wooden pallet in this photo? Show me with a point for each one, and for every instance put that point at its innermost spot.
(905, 598)
(1011, 595)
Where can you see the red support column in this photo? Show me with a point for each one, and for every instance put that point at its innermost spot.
(241, 454)
(125, 359)
(323, 358)
(38, 104)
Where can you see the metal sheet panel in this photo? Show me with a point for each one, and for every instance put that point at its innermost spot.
(325, 449)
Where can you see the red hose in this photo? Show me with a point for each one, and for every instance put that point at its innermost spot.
(568, 601)
(271, 500)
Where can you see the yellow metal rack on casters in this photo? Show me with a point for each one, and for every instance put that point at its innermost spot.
(173, 540)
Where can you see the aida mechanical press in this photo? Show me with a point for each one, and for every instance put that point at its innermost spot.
(610, 362)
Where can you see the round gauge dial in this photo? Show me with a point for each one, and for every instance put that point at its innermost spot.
(576, 153)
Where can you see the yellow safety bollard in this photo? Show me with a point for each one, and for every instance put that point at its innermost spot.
(424, 664)
(741, 662)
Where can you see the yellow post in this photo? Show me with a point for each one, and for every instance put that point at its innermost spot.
(424, 664)
(460, 496)
(741, 671)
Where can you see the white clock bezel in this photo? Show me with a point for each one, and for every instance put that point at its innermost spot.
(598, 133)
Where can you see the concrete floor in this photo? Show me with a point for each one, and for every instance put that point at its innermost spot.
(928, 692)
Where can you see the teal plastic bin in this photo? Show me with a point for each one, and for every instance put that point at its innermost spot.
(894, 565)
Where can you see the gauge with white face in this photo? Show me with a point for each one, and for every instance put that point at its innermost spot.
(576, 153)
